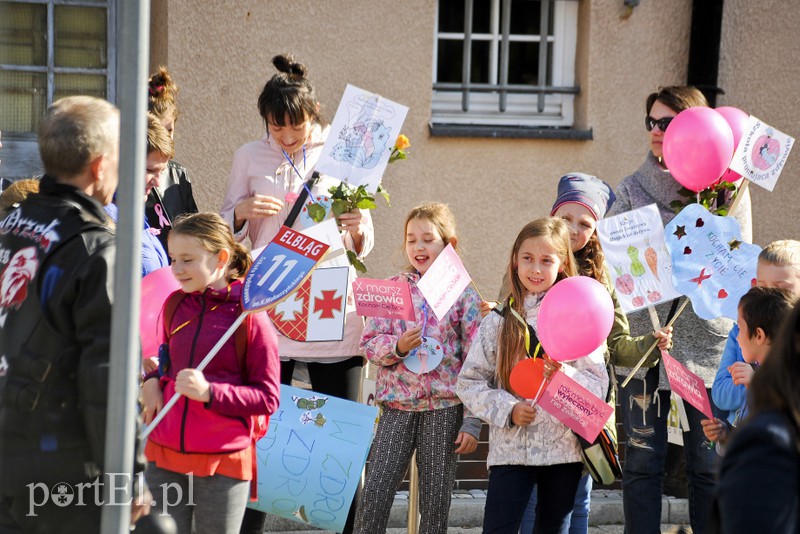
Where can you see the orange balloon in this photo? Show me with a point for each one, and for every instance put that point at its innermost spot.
(527, 376)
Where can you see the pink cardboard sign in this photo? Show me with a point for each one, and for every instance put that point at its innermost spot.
(686, 384)
(383, 298)
(575, 406)
(444, 282)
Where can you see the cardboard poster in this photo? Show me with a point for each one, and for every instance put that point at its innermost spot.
(637, 259)
(361, 138)
(711, 264)
(383, 298)
(762, 153)
(316, 310)
(444, 281)
(575, 406)
(686, 384)
(311, 459)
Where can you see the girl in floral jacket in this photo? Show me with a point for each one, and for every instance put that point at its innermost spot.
(418, 365)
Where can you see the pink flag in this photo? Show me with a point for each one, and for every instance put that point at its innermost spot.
(686, 384)
(383, 298)
(444, 282)
(575, 406)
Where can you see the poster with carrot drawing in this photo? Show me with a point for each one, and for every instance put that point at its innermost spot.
(637, 260)
(711, 264)
(361, 138)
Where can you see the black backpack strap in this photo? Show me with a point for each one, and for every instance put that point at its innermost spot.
(301, 200)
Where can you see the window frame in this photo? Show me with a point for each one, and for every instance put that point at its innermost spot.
(503, 105)
(20, 152)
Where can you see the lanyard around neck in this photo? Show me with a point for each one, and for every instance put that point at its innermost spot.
(305, 186)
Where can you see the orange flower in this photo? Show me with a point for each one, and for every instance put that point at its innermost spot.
(402, 142)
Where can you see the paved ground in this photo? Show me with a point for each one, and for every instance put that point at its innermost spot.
(466, 515)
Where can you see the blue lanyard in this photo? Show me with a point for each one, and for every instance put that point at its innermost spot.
(285, 155)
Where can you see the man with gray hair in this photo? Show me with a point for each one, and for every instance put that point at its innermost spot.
(56, 268)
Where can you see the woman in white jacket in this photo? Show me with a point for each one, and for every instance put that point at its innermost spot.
(527, 445)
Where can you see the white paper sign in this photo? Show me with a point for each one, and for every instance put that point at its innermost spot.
(361, 138)
(637, 259)
(761, 153)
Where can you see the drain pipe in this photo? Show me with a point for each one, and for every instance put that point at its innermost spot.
(704, 48)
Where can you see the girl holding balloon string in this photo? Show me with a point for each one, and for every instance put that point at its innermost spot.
(527, 446)
(581, 201)
(418, 365)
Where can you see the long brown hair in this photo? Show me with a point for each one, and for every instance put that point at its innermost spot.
(591, 259)
(161, 95)
(215, 235)
(440, 217)
(511, 338)
(776, 385)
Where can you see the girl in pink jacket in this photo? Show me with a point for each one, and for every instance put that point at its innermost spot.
(205, 445)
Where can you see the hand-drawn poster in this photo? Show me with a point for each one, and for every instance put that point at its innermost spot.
(761, 153)
(361, 138)
(711, 264)
(637, 260)
(311, 459)
(444, 282)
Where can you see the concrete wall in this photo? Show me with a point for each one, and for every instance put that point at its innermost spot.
(219, 52)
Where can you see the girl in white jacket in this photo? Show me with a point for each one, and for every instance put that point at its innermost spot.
(527, 445)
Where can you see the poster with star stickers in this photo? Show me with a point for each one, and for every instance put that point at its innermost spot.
(637, 260)
(711, 264)
(315, 311)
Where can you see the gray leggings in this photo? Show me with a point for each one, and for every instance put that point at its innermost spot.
(433, 434)
(215, 503)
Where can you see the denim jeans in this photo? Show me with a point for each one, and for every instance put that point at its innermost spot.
(579, 518)
(644, 416)
(510, 488)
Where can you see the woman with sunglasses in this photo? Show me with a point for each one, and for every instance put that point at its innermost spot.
(698, 343)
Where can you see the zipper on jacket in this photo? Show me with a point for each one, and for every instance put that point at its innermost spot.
(191, 363)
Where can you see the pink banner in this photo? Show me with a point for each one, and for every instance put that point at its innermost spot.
(575, 406)
(383, 298)
(444, 282)
(686, 384)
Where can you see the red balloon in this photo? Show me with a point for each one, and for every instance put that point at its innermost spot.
(156, 287)
(527, 376)
(737, 120)
(575, 318)
(698, 147)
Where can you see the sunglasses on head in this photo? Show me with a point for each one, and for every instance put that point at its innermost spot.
(650, 123)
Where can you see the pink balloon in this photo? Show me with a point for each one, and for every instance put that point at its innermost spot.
(156, 287)
(575, 318)
(698, 146)
(737, 120)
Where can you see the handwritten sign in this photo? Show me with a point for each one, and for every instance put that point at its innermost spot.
(637, 258)
(711, 264)
(387, 299)
(686, 384)
(575, 406)
(444, 281)
(284, 264)
(761, 154)
(361, 138)
(311, 459)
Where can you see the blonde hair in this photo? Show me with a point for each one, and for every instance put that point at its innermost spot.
(511, 339)
(215, 235)
(74, 131)
(440, 216)
(158, 139)
(782, 253)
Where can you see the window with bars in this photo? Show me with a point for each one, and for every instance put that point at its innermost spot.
(48, 50)
(505, 63)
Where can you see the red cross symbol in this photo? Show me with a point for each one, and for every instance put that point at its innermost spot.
(699, 279)
(328, 304)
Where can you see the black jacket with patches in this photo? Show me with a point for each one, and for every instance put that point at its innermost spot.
(56, 275)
